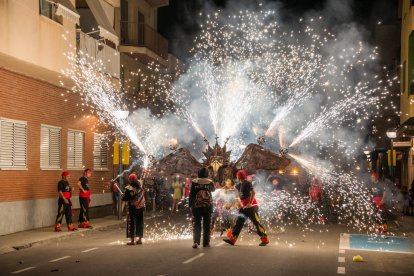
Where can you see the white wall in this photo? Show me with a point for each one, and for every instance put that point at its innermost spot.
(33, 38)
(23, 215)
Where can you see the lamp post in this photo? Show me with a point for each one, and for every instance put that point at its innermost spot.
(392, 133)
(367, 154)
(121, 115)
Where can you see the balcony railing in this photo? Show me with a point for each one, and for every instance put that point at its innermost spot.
(142, 35)
(99, 51)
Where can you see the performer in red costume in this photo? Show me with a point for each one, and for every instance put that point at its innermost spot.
(249, 210)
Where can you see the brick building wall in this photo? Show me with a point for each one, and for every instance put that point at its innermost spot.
(37, 102)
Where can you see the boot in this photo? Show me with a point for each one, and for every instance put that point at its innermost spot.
(71, 227)
(58, 227)
(87, 225)
(264, 240)
(230, 238)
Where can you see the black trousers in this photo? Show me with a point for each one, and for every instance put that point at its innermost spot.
(64, 210)
(136, 222)
(252, 214)
(203, 213)
(84, 209)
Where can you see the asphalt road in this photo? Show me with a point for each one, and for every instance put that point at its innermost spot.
(291, 252)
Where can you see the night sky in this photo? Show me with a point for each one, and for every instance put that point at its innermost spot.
(178, 21)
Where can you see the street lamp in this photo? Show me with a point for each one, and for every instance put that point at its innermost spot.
(392, 134)
(120, 115)
(368, 156)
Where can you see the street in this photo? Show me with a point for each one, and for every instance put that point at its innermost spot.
(291, 252)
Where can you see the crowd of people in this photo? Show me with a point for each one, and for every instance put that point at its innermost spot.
(224, 205)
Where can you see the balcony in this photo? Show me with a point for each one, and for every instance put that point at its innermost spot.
(99, 51)
(158, 3)
(142, 35)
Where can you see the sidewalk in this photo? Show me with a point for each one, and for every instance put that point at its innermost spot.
(26, 239)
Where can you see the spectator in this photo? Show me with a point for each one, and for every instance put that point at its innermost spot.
(135, 197)
(177, 194)
(201, 204)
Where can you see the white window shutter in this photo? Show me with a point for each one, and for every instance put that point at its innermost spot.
(6, 144)
(54, 138)
(13, 144)
(100, 151)
(76, 140)
(50, 147)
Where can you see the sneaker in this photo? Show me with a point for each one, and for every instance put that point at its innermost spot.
(207, 245)
(71, 227)
(265, 241)
(195, 245)
(230, 241)
(87, 225)
(131, 243)
(81, 225)
(139, 241)
(58, 228)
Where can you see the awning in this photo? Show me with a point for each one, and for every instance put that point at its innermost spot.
(106, 29)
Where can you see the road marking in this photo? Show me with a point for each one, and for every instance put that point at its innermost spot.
(341, 259)
(194, 258)
(341, 270)
(341, 251)
(115, 242)
(89, 250)
(24, 269)
(344, 241)
(220, 244)
(59, 259)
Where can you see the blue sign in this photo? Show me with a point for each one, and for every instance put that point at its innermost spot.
(381, 243)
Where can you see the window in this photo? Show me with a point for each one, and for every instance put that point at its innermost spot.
(76, 142)
(13, 144)
(48, 8)
(100, 152)
(49, 147)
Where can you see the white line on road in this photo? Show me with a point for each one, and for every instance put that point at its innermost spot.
(24, 269)
(341, 270)
(89, 250)
(341, 259)
(115, 242)
(220, 244)
(59, 259)
(344, 241)
(341, 251)
(194, 258)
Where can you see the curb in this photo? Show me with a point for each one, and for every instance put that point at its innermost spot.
(66, 235)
